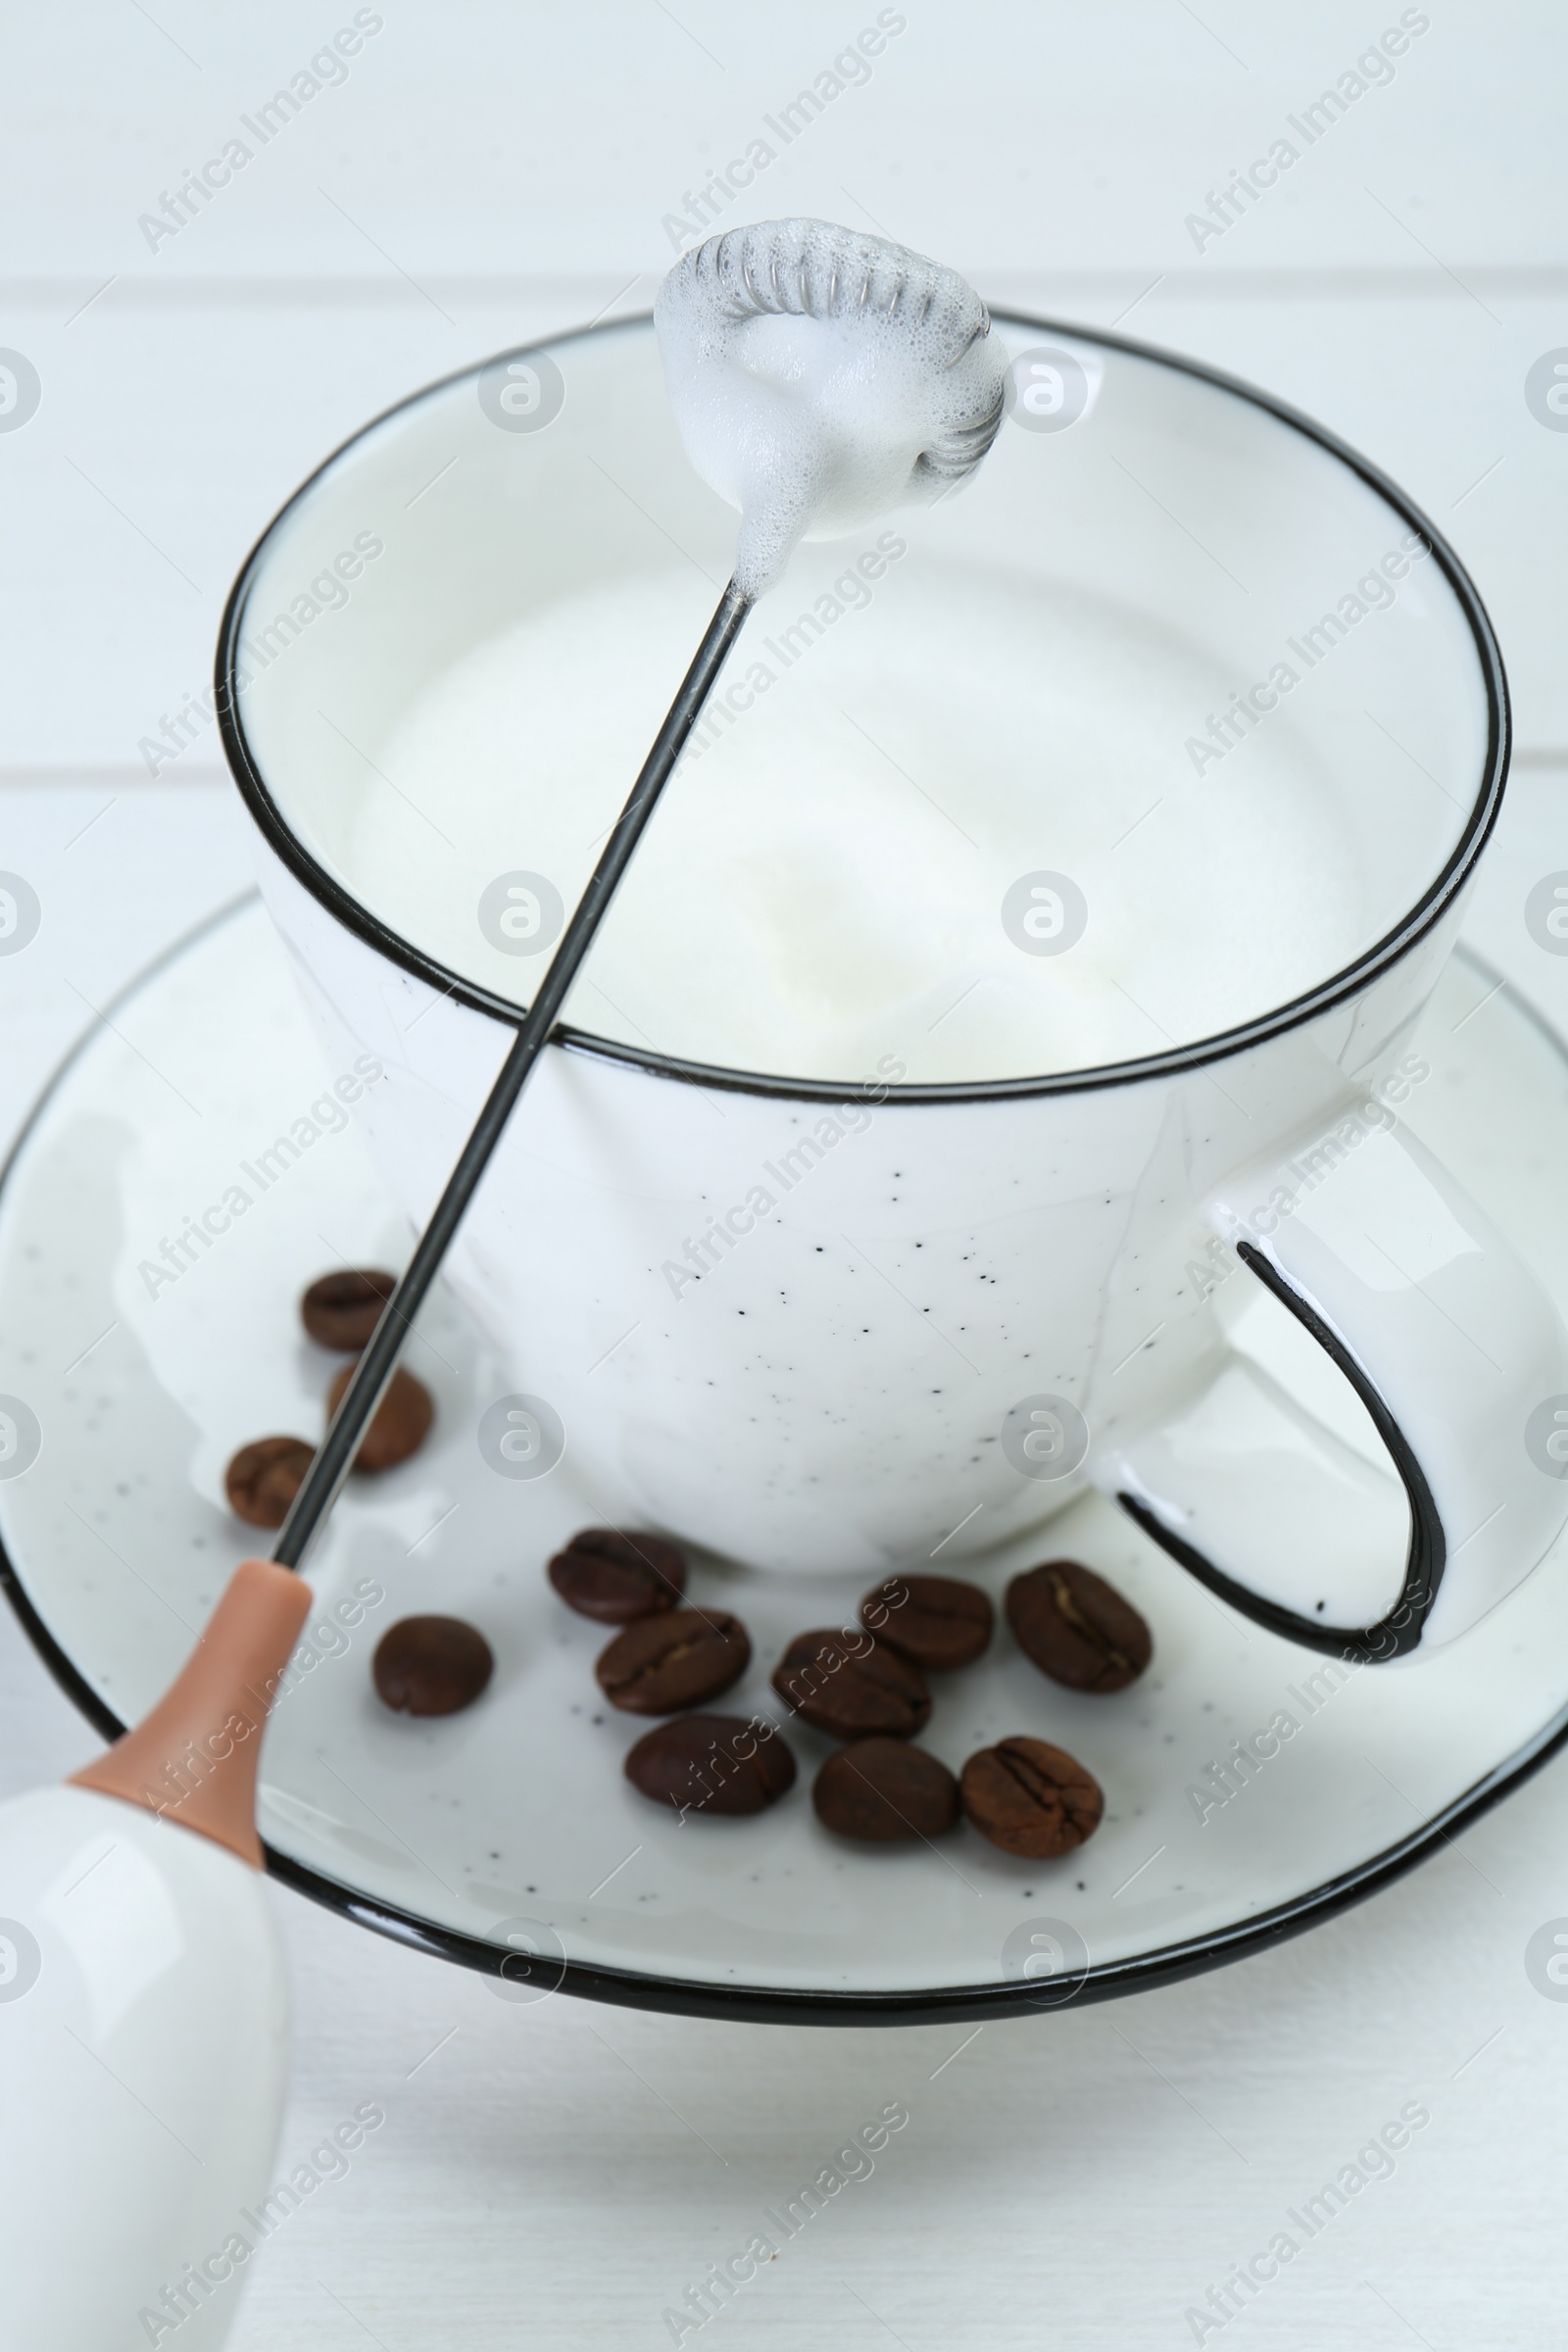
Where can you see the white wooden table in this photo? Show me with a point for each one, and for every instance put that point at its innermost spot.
(558, 2175)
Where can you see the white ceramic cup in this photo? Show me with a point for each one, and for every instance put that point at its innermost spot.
(813, 1325)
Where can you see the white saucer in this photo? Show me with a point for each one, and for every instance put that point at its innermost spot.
(511, 1827)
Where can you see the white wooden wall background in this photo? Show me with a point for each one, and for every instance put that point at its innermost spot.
(548, 2175)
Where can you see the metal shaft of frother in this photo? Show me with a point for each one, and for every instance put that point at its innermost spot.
(377, 1365)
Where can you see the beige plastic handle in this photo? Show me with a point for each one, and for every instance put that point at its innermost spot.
(193, 1759)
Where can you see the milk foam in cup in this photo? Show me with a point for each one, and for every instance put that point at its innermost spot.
(825, 881)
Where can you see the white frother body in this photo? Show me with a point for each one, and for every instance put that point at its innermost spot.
(143, 2067)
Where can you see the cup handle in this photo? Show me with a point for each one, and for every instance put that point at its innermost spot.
(1462, 1361)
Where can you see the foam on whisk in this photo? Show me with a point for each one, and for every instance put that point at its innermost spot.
(819, 376)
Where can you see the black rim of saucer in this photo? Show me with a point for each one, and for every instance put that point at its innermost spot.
(783, 2004)
(1411, 927)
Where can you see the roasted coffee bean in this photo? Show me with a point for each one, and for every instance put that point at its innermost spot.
(431, 1665)
(843, 1683)
(1077, 1628)
(616, 1578)
(263, 1478)
(938, 1620)
(1030, 1798)
(882, 1789)
(400, 1424)
(342, 1309)
(678, 1659)
(713, 1764)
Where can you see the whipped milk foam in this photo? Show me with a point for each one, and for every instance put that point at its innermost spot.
(819, 376)
(821, 892)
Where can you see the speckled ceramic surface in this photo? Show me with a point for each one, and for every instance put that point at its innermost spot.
(736, 1352)
(453, 1832)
